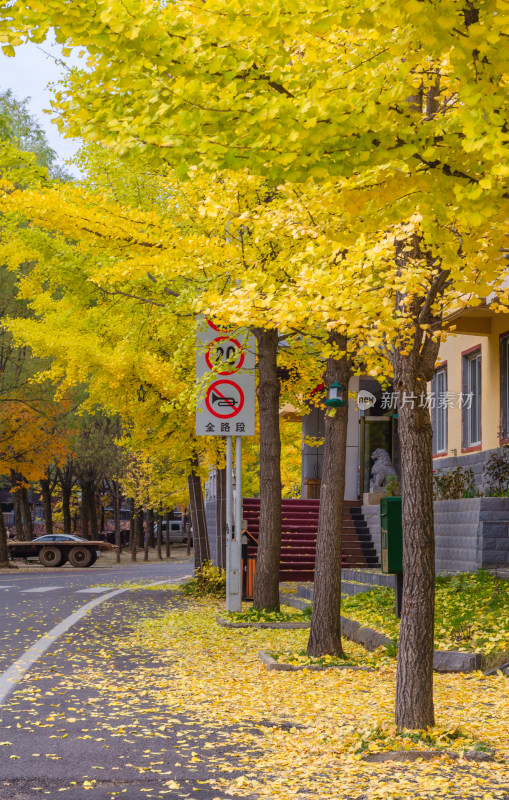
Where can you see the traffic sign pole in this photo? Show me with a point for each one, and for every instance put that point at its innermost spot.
(233, 593)
(238, 489)
(236, 552)
(228, 515)
(225, 373)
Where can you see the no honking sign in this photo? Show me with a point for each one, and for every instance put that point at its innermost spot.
(224, 399)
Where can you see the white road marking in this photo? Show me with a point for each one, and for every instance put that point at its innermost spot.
(39, 589)
(94, 590)
(18, 670)
(9, 586)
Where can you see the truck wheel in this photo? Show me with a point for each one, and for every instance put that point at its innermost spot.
(80, 557)
(94, 558)
(51, 557)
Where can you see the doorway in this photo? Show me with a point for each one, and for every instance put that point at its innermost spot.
(375, 432)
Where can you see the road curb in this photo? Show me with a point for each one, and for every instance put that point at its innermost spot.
(284, 626)
(426, 755)
(280, 666)
(443, 660)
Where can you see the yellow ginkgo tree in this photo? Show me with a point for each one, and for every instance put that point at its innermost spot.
(388, 287)
(142, 265)
(123, 283)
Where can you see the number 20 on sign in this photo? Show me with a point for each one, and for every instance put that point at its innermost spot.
(225, 371)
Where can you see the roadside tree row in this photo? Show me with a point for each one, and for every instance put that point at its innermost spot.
(332, 175)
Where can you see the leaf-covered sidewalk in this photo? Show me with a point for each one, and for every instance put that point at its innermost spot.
(323, 723)
(190, 712)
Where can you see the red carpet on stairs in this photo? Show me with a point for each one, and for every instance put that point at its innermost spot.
(298, 543)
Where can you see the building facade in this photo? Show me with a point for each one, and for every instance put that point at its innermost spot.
(470, 390)
(468, 400)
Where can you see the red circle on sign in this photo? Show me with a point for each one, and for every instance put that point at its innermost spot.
(218, 328)
(216, 399)
(225, 339)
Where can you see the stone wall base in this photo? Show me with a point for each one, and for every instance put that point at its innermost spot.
(469, 534)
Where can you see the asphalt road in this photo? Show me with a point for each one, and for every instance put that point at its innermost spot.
(58, 734)
(33, 603)
(78, 726)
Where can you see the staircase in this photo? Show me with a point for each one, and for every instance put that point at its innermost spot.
(298, 541)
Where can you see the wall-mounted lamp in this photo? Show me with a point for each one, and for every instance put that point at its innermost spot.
(335, 395)
(142, 393)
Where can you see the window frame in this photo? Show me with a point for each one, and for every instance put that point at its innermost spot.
(504, 387)
(437, 412)
(468, 356)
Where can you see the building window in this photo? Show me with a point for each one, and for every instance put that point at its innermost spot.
(472, 399)
(439, 411)
(504, 386)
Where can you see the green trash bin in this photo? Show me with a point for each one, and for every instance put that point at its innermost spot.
(392, 535)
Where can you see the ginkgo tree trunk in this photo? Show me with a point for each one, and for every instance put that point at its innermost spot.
(413, 359)
(47, 485)
(325, 633)
(414, 685)
(198, 518)
(4, 553)
(28, 523)
(66, 479)
(266, 585)
(16, 502)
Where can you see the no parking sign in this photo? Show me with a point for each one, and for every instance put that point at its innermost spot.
(226, 405)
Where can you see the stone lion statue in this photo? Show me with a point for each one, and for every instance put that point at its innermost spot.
(382, 470)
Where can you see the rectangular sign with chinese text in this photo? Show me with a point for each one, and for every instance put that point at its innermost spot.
(225, 372)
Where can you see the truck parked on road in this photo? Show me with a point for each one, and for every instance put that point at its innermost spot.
(55, 550)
